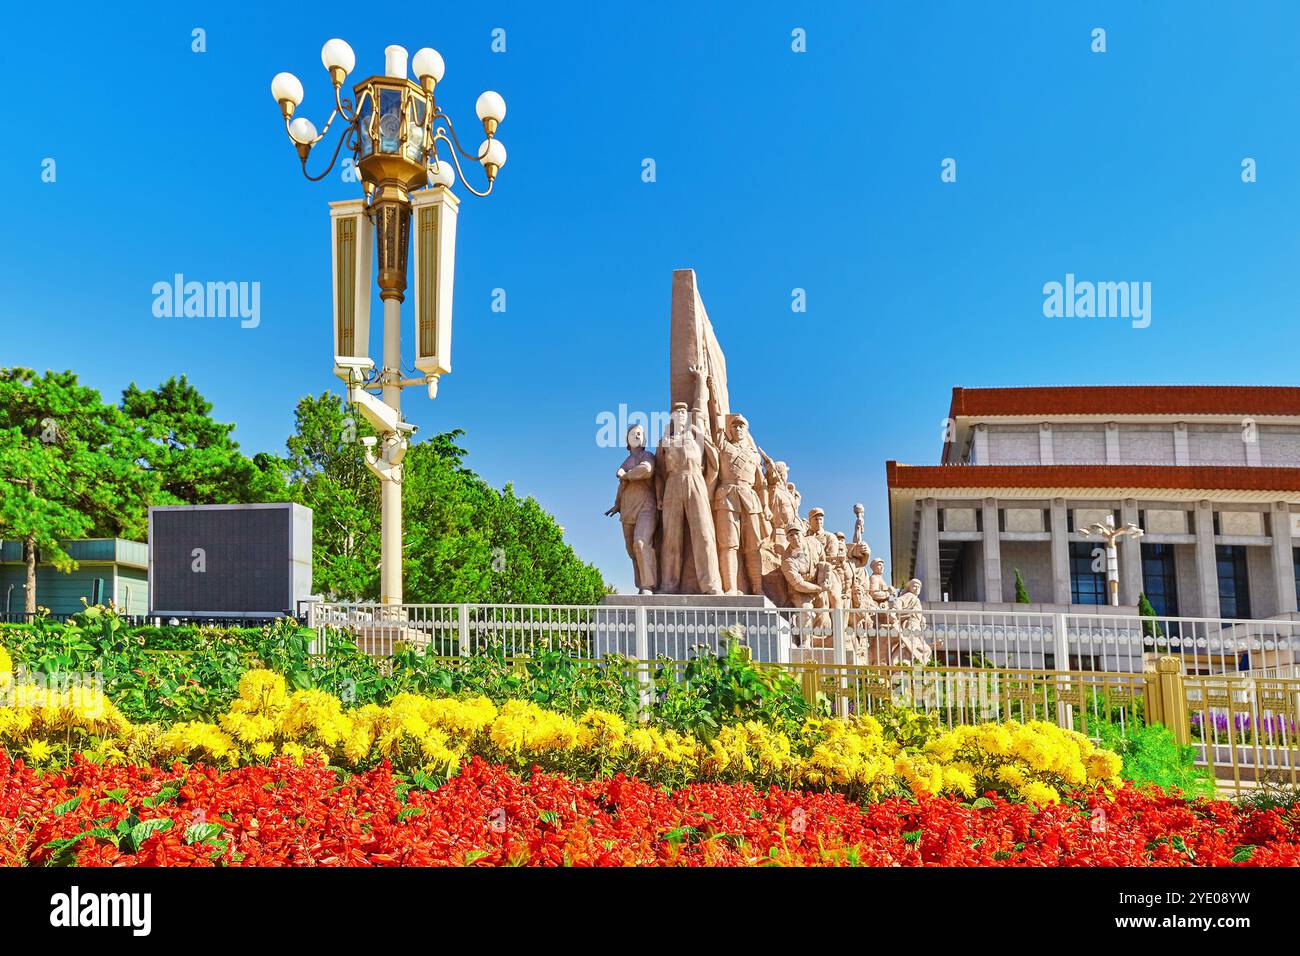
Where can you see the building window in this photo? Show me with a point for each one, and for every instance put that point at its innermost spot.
(1295, 562)
(1234, 583)
(1086, 585)
(1160, 579)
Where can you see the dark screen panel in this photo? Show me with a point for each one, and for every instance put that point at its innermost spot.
(247, 561)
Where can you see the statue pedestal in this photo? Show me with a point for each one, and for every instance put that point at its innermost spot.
(682, 626)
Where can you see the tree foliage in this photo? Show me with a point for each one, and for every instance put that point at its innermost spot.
(193, 456)
(1022, 592)
(68, 468)
(463, 539)
(73, 466)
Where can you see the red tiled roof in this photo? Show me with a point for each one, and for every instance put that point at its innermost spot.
(1126, 400)
(1207, 477)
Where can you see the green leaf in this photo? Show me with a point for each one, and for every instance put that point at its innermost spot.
(162, 796)
(145, 829)
(1243, 853)
(199, 832)
(67, 806)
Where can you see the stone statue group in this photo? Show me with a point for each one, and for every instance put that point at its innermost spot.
(712, 513)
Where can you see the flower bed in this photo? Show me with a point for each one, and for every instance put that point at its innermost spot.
(1033, 761)
(305, 814)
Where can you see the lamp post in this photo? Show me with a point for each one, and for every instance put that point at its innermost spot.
(1111, 534)
(393, 134)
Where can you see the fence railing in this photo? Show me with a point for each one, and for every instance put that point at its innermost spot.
(1245, 728)
(1056, 641)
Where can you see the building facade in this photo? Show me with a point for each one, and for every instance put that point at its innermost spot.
(108, 569)
(1210, 473)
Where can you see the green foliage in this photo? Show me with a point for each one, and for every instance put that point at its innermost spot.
(67, 467)
(192, 456)
(1152, 756)
(151, 678)
(464, 540)
(73, 466)
(1274, 792)
(1022, 593)
(714, 690)
(1150, 625)
(911, 727)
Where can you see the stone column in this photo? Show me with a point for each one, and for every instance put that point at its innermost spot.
(1112, 443)
(1279, 520)
(992, 552)
(927, 568)
(1130, 556)
(1182, 453)
(1207, 577)
(1060, 553)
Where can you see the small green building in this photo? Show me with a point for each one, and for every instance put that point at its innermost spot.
(108, 569)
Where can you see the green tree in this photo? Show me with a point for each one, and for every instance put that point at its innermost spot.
(326, 472)
(1150, 624)
(463, 539)
(68, 468)
(1022, 592)
(194, 457)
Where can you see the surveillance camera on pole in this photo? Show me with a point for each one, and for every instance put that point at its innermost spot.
(382, 417)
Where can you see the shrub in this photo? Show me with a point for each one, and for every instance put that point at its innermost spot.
(1150, 755)
(728, 688)
(1022, 592)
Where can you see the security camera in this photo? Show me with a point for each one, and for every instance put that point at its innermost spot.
(395, 450)
(352, 368)
(383, 418)
(407, 427)
(369, 441)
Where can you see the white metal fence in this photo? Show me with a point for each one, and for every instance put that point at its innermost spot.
(1116, 643)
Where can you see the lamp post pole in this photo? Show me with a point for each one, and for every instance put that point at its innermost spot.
(1111, 534)
(392, 133)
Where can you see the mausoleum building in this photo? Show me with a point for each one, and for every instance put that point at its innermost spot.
(1210, 473)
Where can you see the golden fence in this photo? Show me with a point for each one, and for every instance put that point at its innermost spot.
(1243, 728)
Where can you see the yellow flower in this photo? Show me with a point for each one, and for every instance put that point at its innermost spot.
(197, 740)
(38, 751)
(601, 730)
(1039, 793)
(262, 688)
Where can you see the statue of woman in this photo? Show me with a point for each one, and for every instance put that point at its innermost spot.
(635, 502)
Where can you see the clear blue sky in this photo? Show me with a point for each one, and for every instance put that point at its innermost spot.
(775, 170)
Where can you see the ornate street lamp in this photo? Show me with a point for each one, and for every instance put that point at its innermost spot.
(393, 134)
(1111, 534)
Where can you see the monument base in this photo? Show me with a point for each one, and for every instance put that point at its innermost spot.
(682, 626)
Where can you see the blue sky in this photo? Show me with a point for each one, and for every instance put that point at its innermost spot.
(775, 170)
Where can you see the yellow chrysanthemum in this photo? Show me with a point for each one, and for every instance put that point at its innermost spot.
(197, 740)
(38, 751)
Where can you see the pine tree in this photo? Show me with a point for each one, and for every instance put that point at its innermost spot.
(1022, 593)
